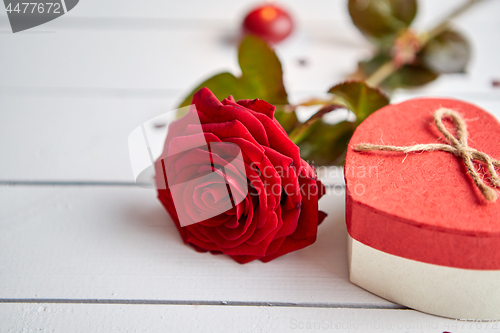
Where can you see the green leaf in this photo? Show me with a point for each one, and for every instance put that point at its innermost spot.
(360, 98)
(222, 85)
(326, 143)
(288, 120)
(261, 71)
(262, 76)
(301, 132)
(380, 19)
(448, 52)
(368, 67)
(408, 76)
(323, 143)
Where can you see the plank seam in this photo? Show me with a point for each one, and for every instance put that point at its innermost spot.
(69, 183)
(169, 93)
(207, 303)
(104, 184)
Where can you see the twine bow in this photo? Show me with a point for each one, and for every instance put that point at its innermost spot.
(458, 147)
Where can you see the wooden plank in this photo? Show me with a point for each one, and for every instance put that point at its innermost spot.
(326, 10)
(172, 61)
(194, 318)
(71, 139)
(173, 56)
(199, 10)
(118, 243)
(51, 138)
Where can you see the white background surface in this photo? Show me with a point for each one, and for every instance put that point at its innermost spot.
(82, 249)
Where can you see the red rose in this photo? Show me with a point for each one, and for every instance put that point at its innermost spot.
(234, 183)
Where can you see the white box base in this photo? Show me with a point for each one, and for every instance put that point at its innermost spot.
(439, 290)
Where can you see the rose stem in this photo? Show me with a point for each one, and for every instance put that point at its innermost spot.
(386, 69)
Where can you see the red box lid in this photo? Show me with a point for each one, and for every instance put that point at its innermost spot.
(423, 205)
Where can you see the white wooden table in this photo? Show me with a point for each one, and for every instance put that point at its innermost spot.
(84, 250)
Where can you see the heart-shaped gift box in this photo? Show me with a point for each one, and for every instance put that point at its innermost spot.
(421, 232)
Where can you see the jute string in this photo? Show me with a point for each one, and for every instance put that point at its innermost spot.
(458, 147)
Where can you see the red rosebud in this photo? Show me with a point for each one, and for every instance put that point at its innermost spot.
(406, 47)
(268, 22)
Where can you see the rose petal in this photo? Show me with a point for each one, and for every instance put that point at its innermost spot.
(205, 101)
(236, 232)
(290, 245)
(229, 113)
(258, 249)
(258, 105)
(276, 196)
(272, 226)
